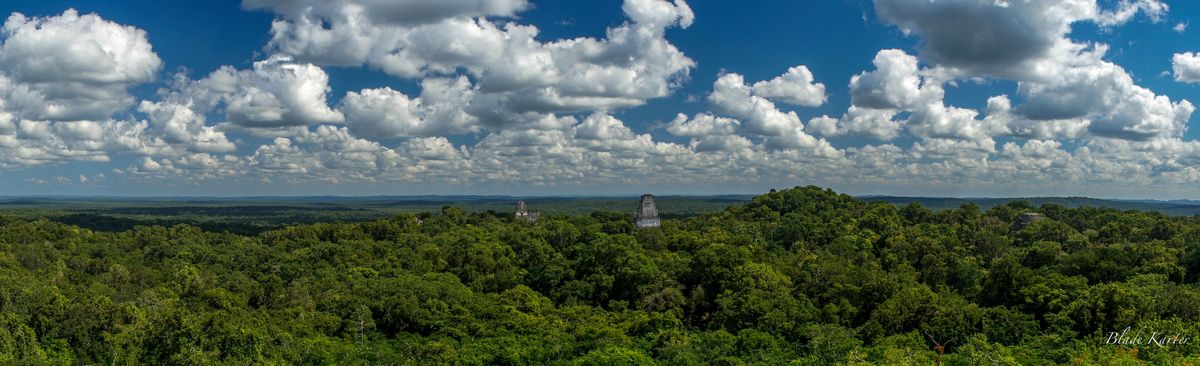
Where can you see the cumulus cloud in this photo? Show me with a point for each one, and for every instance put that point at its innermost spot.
(274, 98)
(1006, 121)
(732, 96)
(181, 124)
(702, 125)
(49, 142)
(937, 121)
(987, 37)
(70, 47)
(432, 148)
(63, 77)
(403, 12)
(602, 127)
(599, 148)
(544, 112)
(876, 123)
(761, 117)
(72, 67)
(1016, 40)
(899, 85)
(517, 75)
(1127, 9)
(1106, 95)
(1027, 42)
(1035, 156)
(386, 113)
(1186, 66)
(275, 93)
(709, 132)
(794, 87)
(894, 84)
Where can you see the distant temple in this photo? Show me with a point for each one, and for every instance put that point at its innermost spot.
(1027, 219)
(523, 214)
(647, 213)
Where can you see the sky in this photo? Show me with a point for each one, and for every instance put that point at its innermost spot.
(600, 97)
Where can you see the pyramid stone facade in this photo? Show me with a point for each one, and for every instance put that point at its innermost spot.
(523, 213)
(647, 213)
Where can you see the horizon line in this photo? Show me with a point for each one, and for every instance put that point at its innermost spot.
(513, 196)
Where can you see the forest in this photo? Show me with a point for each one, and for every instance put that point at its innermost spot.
(802, 276)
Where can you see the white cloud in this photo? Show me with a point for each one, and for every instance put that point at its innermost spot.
(825, 126)
(732, 96)
(711, 143)
(276, 97)
(181, 124)
(1018, 40)
(602, 127)
(209, 140)
(986, 37)
(1036, 156)
(73, 48)
(1180, 27)
(702, 125)
(1003, 120)
(515, 72)
(974, 151)
(544, 112)
(63, 77)
(432, 148)
(49, 142)
(937, 121)
(72, 67)
(1186, 66)
(709, 132)
(275, 93)
(1106, 95)
(761, 117)
(1061, 81)
(659, 13)
(894, 84)
(386, 113)
(1127, 9)
(898, 84)
(404, 12)
(149, 164)
(794, 87)
(875, 123)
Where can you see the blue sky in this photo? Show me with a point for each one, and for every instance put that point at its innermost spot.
(253, 124)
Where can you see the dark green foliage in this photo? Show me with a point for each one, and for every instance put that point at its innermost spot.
(800, 276)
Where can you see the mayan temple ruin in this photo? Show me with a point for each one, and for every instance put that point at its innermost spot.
(647, 213)
(523, 214)
(1027, 219)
